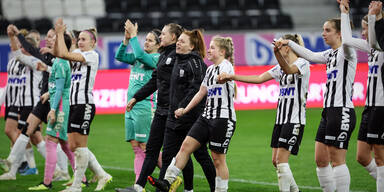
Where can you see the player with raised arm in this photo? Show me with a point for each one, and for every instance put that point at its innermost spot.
(143, 62)
(292, 73)
(85, 62)
(338, 116)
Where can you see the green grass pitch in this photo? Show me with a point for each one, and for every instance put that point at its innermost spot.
(249, 156)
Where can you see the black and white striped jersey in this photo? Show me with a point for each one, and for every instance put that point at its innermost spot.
(83, 78)
(341, 69)
(293, 93)
(220, 97)
(375, 81)
(340, 77)
(29, 88)
(14, 78)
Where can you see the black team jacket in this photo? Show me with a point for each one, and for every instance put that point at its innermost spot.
(379, 29)
(160, 80)
(187, 75)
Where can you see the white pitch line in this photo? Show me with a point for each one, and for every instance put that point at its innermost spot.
(231, 179)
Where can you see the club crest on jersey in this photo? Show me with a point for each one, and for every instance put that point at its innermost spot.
(168, 61)
(181, 73)
(214, 91)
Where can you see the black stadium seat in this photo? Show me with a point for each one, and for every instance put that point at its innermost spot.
(23, 23)
(43, 25)
(3, 26)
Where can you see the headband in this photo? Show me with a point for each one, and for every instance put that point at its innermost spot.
(91, 34)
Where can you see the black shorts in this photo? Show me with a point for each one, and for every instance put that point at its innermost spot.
(41, 111)
(24, 113)
(375, 125)
(336, 126)
(362, 136)
(217, 132)
(287, 136)
(12, 112)
(80, 118)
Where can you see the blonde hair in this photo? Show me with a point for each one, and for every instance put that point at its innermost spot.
(32, 41)
(226, 44)
(24, 32)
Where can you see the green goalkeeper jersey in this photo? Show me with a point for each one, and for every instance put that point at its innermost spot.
(60, 70)
(141, 69)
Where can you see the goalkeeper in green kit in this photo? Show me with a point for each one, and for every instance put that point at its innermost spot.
(143, 62)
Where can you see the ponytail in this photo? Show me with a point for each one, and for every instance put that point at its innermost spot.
(175, 29)
(197, 40)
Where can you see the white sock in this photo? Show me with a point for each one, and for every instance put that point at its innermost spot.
(371, 168)
(62, 160)
(30, 158)
(380, 179)
(138, 188)
(342, 178)
(95, 166)
(188, 190)
(18, 148)
(41, 148)
(14, 167)
(325, 176)
(221, 184)
(172, 172)
(284, 176)
(81, 161)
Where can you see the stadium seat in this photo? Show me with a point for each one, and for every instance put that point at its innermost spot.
(69, 21)
(356, 20)
(105, 24)
(131, 5)
(113, 6)
(43, 25)
(175, 5)
(214, 5)
(155, 5)
(53, 8)
(194, 5)
(263, 21)
(251, 4)
(84, 22)
(233, 5)
(283, 21)
(3, 26)
(14, 9)
(33, 9)
(269, 4)
(23, 23)
(95, 8)
(73, 7)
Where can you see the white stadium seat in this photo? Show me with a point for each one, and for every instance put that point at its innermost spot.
(85, 22)
(33, 9)
(95, 8)
(73, 7)
(53, 8)
(12, 9)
